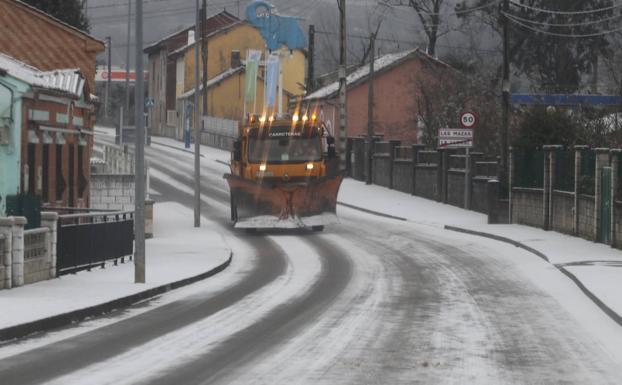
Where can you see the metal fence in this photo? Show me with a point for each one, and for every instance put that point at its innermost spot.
(91, 239)
(35, 243)
(563, 179)
(528, 168)
(587, 174)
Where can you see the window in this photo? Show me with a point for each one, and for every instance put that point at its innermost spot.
(284, 150)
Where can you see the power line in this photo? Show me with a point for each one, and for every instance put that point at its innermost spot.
(409, 42)
(455, 13)
(578, 24)
(568, 35)
(556, 12)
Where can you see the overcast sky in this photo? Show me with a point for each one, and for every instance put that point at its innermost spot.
(400, 28)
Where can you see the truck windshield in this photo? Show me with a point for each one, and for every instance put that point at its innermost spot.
(284, 150)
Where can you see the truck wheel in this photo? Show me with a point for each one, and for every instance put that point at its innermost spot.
(317, 228)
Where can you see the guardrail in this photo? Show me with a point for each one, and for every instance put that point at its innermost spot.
(90, 239)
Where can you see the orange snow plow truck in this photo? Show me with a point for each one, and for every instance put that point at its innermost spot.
(284, 174)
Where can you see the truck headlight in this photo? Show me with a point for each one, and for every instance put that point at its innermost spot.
(309, 166)
(262, 167)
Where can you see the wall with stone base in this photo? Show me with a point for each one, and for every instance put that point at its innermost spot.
(37, 269)
(455, 188)
(586, 217)
(527, 206)
(563, 212)
(112, 192)
(403, 176)
(426, 183)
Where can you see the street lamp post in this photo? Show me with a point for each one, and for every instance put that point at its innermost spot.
(139, 198)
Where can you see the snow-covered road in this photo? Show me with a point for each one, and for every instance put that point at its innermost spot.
(369, 301)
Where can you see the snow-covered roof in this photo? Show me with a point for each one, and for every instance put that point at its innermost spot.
(382, 63)
(215, 80)
(65, 80)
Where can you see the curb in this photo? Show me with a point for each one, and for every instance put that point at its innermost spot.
(44, 324)
(615, 317)
(175, 148)
(371, 211)
(498, 238)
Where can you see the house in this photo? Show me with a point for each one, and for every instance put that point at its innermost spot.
(228, 43)
(402, 84)
(47, 76)
(46, 43)
(163, 72)
(47, 136)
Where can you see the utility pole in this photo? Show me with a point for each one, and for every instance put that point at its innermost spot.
(127, 61)
(197, 124)
(342, 86)
(204, 57)
(505, 88)
(310, 60)
(139, 108)
(107, 97)
(370, 107)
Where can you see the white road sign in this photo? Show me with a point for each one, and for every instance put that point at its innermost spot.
(455, 137)
(468, 119)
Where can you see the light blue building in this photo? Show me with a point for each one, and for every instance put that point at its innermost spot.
(11, 92)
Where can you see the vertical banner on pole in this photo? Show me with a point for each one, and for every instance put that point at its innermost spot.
(272, 77)
(252, 64)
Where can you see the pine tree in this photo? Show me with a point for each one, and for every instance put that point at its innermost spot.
(68, 11)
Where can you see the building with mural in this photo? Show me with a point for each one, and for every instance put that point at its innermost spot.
(228, 39)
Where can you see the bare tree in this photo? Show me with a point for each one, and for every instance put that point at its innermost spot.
(430, 14)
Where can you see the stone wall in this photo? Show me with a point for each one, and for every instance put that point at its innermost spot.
(381, 170)
(112, 192)
(4, 250)
(455, 188)
(562, 207)
(37, 255)
(527, 206)
(479, 201)
(426, 182)
(403, 176)
(617, 224)
(585, 225)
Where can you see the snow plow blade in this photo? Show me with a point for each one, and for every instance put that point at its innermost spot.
(266, 204)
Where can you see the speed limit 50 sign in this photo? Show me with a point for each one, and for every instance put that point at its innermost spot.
(468, 119)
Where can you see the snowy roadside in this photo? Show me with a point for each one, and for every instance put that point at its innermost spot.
(178, 251)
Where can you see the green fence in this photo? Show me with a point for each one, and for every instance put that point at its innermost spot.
(587, 174)
(528, 168)
(25, 205)
(564, 170)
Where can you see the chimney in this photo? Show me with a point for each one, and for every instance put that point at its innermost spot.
(190, 37)
(235, 59)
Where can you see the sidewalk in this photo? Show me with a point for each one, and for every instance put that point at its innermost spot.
(596, 268)
(178, 254)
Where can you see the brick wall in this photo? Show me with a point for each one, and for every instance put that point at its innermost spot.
(563, 212)
(112, 192)
(527, 206)
(586, 217)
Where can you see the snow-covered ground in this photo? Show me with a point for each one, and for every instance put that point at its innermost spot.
(597, 266)
(177, 251)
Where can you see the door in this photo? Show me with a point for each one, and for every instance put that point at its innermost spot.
(605, 206)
